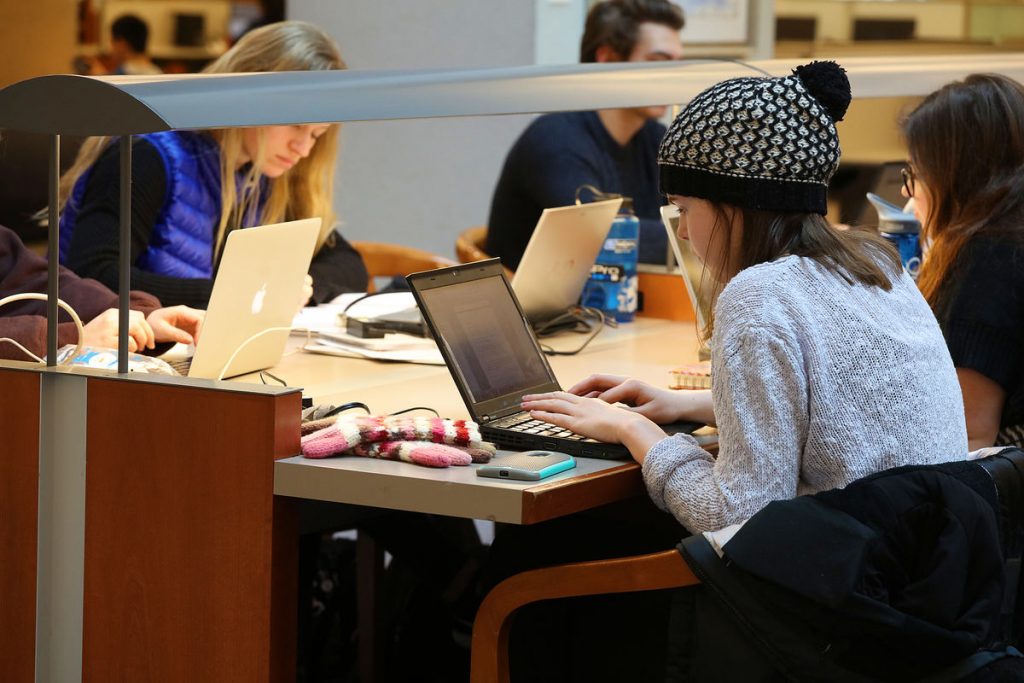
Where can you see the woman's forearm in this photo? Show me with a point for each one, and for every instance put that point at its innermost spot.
(695, 405)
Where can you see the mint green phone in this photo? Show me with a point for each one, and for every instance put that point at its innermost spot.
(528, 466)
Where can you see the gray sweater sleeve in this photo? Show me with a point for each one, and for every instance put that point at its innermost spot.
(817, 382)
(760, 399)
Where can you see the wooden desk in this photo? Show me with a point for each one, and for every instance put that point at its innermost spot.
(645, 348)
(456, 491)
(188, 561)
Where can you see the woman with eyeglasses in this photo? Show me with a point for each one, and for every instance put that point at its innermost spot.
(828, 364)
(966, 177)
(191, 188)
(909, 179)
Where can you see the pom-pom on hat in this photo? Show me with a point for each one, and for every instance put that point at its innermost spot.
(759, 143)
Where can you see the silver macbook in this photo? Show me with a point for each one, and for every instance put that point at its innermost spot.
(557, 261)
(257, 290)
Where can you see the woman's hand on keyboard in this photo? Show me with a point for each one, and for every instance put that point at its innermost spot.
(595, 419)
(176, 324)
(658, 405)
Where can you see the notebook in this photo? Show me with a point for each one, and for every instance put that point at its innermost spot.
(257, 288)
(557, 261)
(494, 358)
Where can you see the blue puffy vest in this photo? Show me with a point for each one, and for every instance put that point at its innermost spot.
(182, 241)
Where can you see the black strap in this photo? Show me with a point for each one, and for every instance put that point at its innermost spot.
(965, 667)
(1007, 472)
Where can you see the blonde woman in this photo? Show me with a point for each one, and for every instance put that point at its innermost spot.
(190, 188)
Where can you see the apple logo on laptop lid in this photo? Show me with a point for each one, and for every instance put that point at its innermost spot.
(257, 300)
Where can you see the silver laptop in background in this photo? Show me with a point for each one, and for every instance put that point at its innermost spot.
(557, 260)
(257, 288)
(556, 263)
(690, 266)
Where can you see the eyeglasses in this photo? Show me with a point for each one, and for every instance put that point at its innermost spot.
(909, 180)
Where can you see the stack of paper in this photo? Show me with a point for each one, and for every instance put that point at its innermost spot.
(329, 336)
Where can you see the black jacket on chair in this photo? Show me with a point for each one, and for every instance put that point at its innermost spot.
(909, 574)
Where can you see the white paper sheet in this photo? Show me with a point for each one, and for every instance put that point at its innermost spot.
(329, 337)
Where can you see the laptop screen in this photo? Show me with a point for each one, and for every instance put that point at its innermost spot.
(490, 345)
(558, 258)
(258, 285)
(690, 267)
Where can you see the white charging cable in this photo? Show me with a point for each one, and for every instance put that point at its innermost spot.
(62, 304)
(224, 368)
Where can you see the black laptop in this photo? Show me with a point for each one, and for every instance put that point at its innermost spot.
(494, 358)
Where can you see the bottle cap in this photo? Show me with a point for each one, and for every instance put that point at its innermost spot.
(893, 219)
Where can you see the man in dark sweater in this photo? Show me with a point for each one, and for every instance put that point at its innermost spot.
(615, 150)
(24, 322)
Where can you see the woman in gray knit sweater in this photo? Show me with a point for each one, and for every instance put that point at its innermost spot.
(828, 363)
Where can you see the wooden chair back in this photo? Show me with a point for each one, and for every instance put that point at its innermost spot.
(387, 260)
(489, 653)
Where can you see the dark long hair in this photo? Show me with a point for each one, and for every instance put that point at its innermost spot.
(858, 256)
(966, 142)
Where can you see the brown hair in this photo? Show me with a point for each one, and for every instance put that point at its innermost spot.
(966, 143)
(616, 23)
(857, 256)
(132, 30)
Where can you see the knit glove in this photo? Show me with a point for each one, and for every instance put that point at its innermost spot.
(429, 441)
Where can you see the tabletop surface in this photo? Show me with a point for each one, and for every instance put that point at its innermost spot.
(646, 349)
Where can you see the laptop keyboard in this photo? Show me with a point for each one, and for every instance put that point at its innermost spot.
(181, 366)
(522, 422)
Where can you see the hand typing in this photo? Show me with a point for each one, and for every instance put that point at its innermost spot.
(101, 331)
(658, 405)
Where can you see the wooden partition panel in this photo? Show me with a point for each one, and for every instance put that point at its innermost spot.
(664, 296)
(19, 487)
(190, 562)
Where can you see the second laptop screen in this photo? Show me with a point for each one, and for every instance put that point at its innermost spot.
(489, 342)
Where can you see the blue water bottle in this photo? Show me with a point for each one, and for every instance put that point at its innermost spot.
(901, 228)
(612, 286)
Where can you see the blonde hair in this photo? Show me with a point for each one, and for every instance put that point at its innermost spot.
(305, 190)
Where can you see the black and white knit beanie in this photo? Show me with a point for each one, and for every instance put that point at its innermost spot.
(759, 143)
